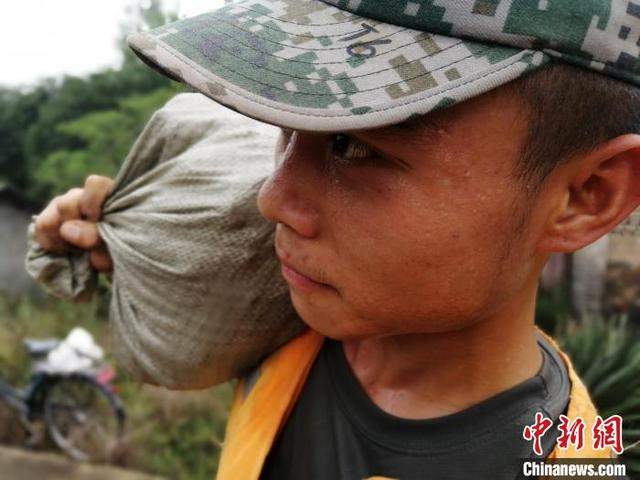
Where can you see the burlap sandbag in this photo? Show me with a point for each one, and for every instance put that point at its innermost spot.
(197, 294)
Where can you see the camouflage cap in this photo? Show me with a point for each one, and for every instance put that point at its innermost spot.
(353, 64)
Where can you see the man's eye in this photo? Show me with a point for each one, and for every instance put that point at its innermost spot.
(346, 150)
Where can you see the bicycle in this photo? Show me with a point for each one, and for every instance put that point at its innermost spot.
(82, 414)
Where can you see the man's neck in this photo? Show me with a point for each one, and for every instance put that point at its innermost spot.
(431, 375)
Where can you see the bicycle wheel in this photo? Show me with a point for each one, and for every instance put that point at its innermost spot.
(83, 418)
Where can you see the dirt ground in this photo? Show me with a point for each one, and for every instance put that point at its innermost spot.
(16, 464)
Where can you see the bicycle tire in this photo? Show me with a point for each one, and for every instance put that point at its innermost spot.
(55, 413)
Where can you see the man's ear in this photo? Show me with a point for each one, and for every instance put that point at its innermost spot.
(599, 191)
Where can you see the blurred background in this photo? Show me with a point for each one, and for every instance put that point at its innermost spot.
(72, 101)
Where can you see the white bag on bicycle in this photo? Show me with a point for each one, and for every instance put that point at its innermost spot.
(77, 352)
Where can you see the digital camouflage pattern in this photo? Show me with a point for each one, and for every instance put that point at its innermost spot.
(599, 34)
(347, 64)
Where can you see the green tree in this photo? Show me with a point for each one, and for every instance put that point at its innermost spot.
(18, 112)
(72, 125)
(104, 136)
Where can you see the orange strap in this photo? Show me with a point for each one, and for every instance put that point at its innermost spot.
(262, 405)
(580, 406)
(258, 413)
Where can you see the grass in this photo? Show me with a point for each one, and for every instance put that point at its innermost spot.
(178, 434)
(173, 434)
(606, 356)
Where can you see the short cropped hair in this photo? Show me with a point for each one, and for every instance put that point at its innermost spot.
(572, 110)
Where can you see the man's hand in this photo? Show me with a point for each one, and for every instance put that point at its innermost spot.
(70, 219)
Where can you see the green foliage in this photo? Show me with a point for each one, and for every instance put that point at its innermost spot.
(18, 112)
(606, 356)
(103, 138)
(182, 432)
(51, 137)
(173, 434)
(552, 306)
(77, 126)
(22, 318)
(178, 434)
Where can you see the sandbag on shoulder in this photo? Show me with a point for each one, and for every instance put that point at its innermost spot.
(197, 294)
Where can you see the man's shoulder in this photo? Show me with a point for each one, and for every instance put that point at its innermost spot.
(291, 362)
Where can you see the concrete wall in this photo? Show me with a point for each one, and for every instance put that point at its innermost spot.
(593, 266)
(14, 222)
(625, 249)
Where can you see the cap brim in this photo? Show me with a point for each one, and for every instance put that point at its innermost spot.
(312, 66)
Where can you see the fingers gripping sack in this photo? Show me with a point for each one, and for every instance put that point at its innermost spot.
(197, 297)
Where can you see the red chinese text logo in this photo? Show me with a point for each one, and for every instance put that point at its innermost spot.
(571, 433)
(536, 431)
(606, 433)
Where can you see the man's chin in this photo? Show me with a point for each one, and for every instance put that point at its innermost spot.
(324, 319)
(331, 319)
(330, 322)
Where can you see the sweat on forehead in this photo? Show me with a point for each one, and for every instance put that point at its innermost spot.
(412, 128)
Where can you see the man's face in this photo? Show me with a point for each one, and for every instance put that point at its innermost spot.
(406, 230)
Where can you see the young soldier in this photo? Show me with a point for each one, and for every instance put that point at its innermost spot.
(434, 153)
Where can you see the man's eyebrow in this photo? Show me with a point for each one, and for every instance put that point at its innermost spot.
(417, 122)
(408, 129)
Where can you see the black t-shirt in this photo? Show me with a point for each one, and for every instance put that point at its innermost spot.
(336, 432)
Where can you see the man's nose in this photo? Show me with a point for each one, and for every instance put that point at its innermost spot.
(291, 194)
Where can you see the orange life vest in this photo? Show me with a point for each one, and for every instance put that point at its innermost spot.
(264, 400)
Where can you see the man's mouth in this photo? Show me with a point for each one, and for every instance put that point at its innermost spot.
(299, 281)
(295, 277)
(298, 278)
